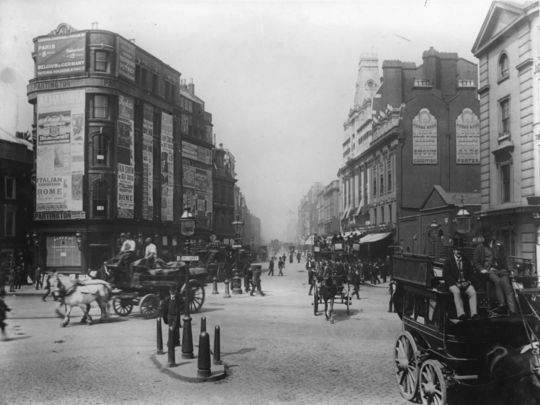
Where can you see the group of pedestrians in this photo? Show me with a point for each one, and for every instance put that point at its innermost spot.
(280, 263)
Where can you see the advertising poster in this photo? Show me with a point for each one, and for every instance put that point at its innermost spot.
(126, 59)
(195, 152)
(467, 138)
(167, 167)
(148, 163)
(60, 55)
(125, 158)
(60, 154)
(424, 129)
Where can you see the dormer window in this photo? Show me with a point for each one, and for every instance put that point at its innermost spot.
(504, 70)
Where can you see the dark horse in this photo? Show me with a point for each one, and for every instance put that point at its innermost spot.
(327, 291)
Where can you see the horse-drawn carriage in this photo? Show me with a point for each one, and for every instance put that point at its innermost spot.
(138, 284)
(330, 283)
(436, 351)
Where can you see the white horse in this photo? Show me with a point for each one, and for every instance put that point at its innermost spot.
(80, 294)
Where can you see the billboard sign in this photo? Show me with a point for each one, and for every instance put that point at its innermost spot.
(61, 55)
(467, 138)
(424, 129)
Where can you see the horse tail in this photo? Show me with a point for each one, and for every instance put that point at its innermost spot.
(494, 356)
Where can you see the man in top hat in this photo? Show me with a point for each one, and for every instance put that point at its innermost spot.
(457, 274)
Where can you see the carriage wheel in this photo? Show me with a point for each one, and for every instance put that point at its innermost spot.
(432, 385)
(121, 306)
(407, 365)
(149, 306)
(196, 295)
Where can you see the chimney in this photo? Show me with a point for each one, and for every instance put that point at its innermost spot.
(191, 87)
(94, 25)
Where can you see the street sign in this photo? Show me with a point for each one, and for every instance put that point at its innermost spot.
(189, 258)
(236, 246)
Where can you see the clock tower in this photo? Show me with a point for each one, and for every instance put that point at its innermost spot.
(368, 79)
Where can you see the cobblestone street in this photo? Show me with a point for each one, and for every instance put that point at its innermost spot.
(277, 352)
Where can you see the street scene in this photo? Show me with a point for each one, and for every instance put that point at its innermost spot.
(270, 202)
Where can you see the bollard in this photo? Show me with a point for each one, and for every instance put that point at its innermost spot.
(170, 349)
(203, 324)
(215, 290)
(159, 336)
(217, 346)
(203, 360)
(187, 341)
(227, 293)
(176, 330)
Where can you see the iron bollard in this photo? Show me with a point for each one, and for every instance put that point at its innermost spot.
(203, 324)
(187, 342)
(176, 331)
(227, 293)
(203, 360)
(217, 346)
(159, 336)
(215, 290)
(170, 349)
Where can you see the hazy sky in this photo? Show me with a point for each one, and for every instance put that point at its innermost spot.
(277, 76)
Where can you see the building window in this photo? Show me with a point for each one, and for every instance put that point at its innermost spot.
(505, 117)
(505, 182)
(382, 214)
(10, 215)
(100, 106)
(389, 174)
(101, 62)
(374, 175)
(10, 191)
(101, 147)
(100, 199)
(390, 218)
(504, 70)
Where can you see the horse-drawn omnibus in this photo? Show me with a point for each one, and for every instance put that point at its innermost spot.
(436, 352)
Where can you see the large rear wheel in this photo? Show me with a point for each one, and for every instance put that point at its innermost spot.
(407, 365)
(196, 295)
(122, 306)
(149, 306)
(432, 385)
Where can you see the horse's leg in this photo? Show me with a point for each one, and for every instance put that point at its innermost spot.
(85, 308)
(332, 310)
(67, 313)
(85, 314)
(326, 307)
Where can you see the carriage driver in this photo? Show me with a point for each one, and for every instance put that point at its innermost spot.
(127, 251)
(457, 273)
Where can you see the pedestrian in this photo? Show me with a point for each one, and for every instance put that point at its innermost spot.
(310, 267)
(38, 277)
(47, 277)
(256, 270)
(355, 280)
(298, 256)
(3, 309)
(271, 266)
(248, 278)
(12, 275)
(281, 265)
(171, 311)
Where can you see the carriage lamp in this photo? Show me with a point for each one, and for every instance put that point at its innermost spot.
(78, 238)
(463, 219)
(187, 223)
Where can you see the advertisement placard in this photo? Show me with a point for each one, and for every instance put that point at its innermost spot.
(424, 129)
(60, 55)
(126, 59)
(467, 138)
(167, 167)
(148, 162)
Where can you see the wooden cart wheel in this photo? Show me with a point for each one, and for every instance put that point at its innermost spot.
(149, 306)
(407, 365)
(432, 385)
(196, 295)
(121, 306)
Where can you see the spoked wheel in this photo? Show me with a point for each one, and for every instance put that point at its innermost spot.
(315, 301)
(432, 385)
(196, 295)
(122, 306)
(407, 365)
(149, 306)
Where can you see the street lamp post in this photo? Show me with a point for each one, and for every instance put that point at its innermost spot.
(187, 229)
(237, 280)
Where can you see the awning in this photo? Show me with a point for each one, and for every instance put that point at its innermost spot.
(309, 241)
(346, 214)
(374, 237)
(358, 211)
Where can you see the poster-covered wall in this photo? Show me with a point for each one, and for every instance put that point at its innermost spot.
(424, 131)
(125, 158)
(167, 167)
(60, 155)
(148, 162)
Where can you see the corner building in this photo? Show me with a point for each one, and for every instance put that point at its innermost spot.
(108, 149)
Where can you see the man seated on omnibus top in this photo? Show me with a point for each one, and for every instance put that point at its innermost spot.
(457, 273)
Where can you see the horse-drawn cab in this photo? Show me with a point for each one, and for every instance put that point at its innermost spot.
(436, 350)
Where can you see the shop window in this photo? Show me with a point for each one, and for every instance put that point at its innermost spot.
(10, 184)
(10, 215)
(100, 197)
(505, 176)
(101, 61)
(101, 148)
(100, 106)
(504, 70)
(504, 107)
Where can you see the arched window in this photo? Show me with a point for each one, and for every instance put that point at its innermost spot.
(504, 69)
(100, 199)
(101, 147)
